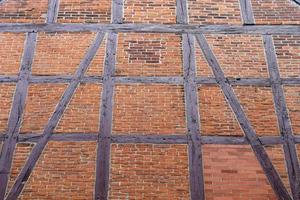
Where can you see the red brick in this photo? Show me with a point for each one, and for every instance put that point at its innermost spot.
(69, 167)
(61, 53)
(23, 11)
(6, 96)
(292, 95)
(149, 109)
(147, 171)
(81, 11)
(217, 118)
(214, 12)
(288, 55)
(40, 105)
(240, 56)
(82, 114)
(149, 55)
(233, 172)
(11, 49)
(150, 11)
(276, 12)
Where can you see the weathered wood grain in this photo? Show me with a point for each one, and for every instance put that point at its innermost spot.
(247, 12)
(192, 118)
(52, 13)
(153, 28)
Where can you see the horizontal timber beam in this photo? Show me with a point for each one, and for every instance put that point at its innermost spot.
(151, 139)
(150, 79)
(153, 28)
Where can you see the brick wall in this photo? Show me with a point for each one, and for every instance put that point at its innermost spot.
(276, 12)
(214, 12)
(11, 50)
(233, 172)
(23, 11)
(239, 56)
(61, 53)
(69, 166)
(82, 11)
(217, 118)
(6, 96)
(149, 171)
(149, 55)
(292, 94)
(288, 55)
(150, 11)
(149, 109)
(144, 171)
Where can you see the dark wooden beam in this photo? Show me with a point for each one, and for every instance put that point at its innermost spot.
(53, 121)
(297, 1)
(16, 113)
(53, 7)
(257, 147)
(246, 12)
(284, 123)
(151, 139)
(191, 106)
(8, 79)
(103, 150)
(178, 80)
(153, 28)
(192, 117)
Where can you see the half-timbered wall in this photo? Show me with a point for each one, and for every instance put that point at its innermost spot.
(140, 99)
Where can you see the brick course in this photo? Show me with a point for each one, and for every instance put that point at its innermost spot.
(6, 96)
(69, 166)
(23, 11)
(11, 50)
(214, 12)
(147, 171)
(233, 172)
(240, 56)
(82, 11)
(61, 53)
(292, 95)
(276, 12)
(149, 109)
(149, 54)
(217, 118)
(150, 11)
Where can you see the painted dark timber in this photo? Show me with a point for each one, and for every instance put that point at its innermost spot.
(53, 121)
(246, 12)
(53, 7)
(191, 106)
(192, 113)
(153, 28)
(103, 150)
(150, 79)
(289, 147)
(16, 113)
(151, 139)
(297, 1)
(8, 79)
(253, 139)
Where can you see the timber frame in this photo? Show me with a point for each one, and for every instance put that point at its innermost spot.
(193, 137)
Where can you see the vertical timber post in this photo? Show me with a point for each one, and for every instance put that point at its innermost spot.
(191, 106)
(106, 108)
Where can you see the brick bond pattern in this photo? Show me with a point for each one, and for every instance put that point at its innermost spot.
(148, 171)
